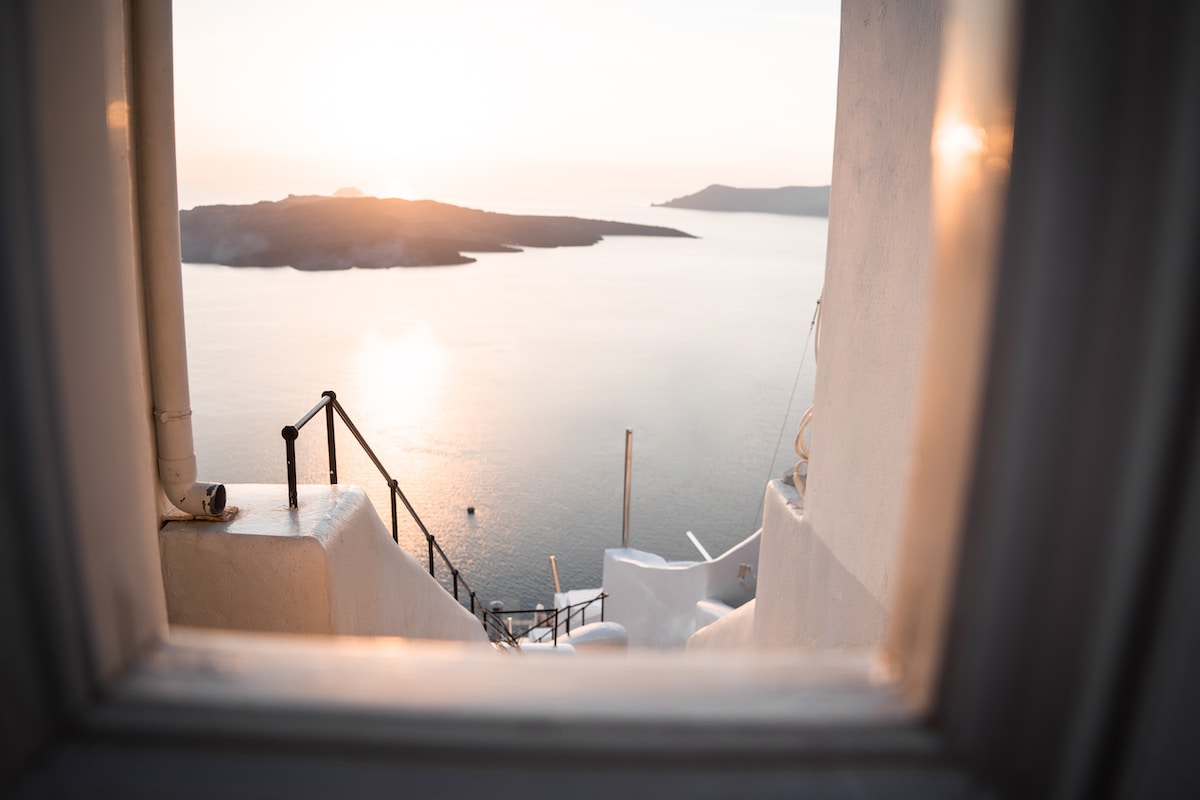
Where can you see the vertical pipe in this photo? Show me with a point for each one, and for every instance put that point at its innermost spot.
(429, 541)
(153, 104)
(455, 574)
(329, 435)
(628, 465)
(556, 626)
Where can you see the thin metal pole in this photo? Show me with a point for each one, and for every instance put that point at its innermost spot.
(329, 434)
(628, 465)
(699, 546)
(556, 626)
(455, 574)
(429, 541)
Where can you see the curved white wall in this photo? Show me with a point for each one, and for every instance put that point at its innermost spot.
(655, 599)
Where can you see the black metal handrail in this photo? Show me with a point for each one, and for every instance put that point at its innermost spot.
(496, 629)
(555, 618)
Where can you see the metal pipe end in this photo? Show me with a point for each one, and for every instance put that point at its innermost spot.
(216, 498)
(200, 499)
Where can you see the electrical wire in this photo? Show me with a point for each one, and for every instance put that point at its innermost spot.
(813, 325)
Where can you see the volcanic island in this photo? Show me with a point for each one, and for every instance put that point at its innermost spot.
(315, 232)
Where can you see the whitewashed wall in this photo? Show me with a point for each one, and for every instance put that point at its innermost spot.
(655, 599)
(328, 567)
(825, 577)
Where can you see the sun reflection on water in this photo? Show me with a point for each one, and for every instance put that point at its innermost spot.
(399, 378)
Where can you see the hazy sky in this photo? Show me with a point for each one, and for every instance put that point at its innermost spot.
(459, 99)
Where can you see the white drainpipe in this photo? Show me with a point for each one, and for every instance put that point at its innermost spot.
(153, 116)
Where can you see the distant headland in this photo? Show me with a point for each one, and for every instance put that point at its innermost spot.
(810, 201)
(344, 231)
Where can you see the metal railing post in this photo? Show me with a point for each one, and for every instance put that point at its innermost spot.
(329, 434)
(556, 626)
(395, 523)
(455, 574)
(429, 541)
(289, 440)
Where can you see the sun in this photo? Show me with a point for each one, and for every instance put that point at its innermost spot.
(405, 190)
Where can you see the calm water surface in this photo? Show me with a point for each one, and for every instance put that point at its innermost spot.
(508, 384)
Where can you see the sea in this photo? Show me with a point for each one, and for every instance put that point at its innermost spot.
(507, 385)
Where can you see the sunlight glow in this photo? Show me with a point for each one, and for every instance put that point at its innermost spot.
(957, 143)
(965, 151)
(277, 97)
(972, 133)
(117, 114)
(399, 188)
(400, 378)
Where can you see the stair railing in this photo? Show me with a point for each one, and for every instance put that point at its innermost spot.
(548, 621)
(492, 623)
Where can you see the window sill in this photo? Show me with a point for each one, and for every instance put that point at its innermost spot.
(397, 695)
